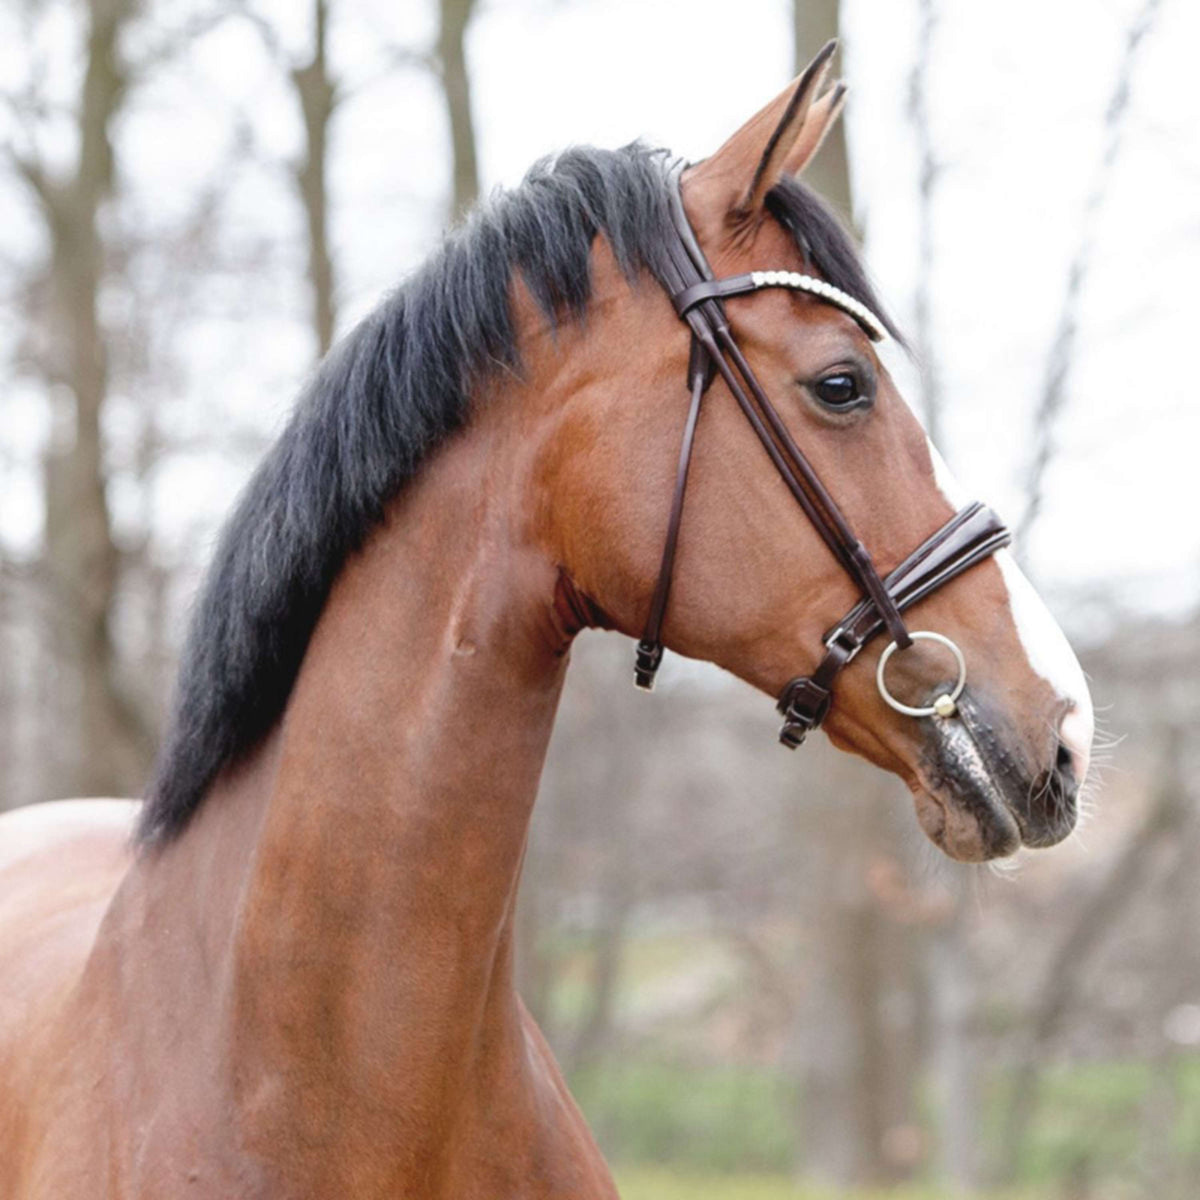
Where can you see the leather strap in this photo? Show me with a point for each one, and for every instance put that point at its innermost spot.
(650, 649)
(970, 536)
(711, 289)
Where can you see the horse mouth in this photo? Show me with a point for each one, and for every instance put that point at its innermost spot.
(976, 800)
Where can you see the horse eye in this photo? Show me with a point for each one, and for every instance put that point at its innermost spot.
(838, 391)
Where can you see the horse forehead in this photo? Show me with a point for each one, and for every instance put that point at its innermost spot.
(766, 246)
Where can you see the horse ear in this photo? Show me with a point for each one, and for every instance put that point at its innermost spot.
(821, 118)
(780, 139)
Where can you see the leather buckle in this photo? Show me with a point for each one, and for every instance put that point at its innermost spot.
(804, 704)
(792, 735)
(841, 638)
(648, 659)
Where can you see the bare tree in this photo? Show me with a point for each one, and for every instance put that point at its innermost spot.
(456, 91)
(1090, 926)
(957, 1052)
(928, 172)
(954, 1050)
(82, 563)
(1062, 346)
(581, 846)
(815, 22)
(318, 96)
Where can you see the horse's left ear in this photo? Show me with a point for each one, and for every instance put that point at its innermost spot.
(779, 140)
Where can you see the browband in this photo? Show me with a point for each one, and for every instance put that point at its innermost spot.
(754, 281)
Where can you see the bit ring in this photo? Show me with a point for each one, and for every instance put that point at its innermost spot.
(944, 705)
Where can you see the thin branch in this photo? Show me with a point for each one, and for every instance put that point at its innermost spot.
(177, 41)
(1062, 347)
(1091, 924)
(264, 29)
(27, 109)
(929, 170)
(30, 170)
(393, 59)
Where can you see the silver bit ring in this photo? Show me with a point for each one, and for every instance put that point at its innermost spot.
(945, 705)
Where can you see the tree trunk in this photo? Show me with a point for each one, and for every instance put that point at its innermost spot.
(81, 560)
(608, 946)
(456, 89)
(1095, 918)
(849, 1089)
(955, 1057)
(317, 94)
(845, 1097)
(928, 171)
(535, 966)
(814, 22)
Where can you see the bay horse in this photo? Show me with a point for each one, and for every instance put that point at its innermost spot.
(290, 972)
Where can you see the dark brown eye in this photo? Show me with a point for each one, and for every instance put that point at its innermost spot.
(838, 391)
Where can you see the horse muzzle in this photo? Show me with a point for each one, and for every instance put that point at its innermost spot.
(980, 795)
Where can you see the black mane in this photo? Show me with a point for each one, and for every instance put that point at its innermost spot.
(385, 397)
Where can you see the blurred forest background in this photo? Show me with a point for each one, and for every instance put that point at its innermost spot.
(757, 975)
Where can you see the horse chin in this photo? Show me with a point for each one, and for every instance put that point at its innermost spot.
(973, 801)
(968, 827)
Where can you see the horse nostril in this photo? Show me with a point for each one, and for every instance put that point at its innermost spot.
(1075, 739)
(1064, 765)
(1061, 787)
(1052, 801)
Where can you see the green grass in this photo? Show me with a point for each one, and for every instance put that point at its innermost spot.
(658, 1184)
(734, 1131)
(1087, 1113)
(672, 1185)
(715, 1119)
(647, 961)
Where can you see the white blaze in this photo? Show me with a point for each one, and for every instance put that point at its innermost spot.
(1045, 645)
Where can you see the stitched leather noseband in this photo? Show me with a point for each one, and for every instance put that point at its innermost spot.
(966, 539)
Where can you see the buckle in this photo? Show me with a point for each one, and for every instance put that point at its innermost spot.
(804, 704)
(792, 735)
(648, 659)
(841, 637)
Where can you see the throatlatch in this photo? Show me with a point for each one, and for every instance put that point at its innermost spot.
(966, 539)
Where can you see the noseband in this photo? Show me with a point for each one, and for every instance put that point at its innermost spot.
(967, 538)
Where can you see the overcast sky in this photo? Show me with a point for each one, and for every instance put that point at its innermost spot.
(1018, 93)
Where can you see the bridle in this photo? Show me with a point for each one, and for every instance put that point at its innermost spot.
(970, 536)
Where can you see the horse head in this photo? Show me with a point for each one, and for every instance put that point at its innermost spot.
(989, 721)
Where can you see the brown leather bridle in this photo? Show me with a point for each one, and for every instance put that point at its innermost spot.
(970, 536)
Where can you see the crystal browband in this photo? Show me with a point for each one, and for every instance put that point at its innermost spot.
(754, 281)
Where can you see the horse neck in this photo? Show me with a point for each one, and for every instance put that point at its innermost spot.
(373, 963)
